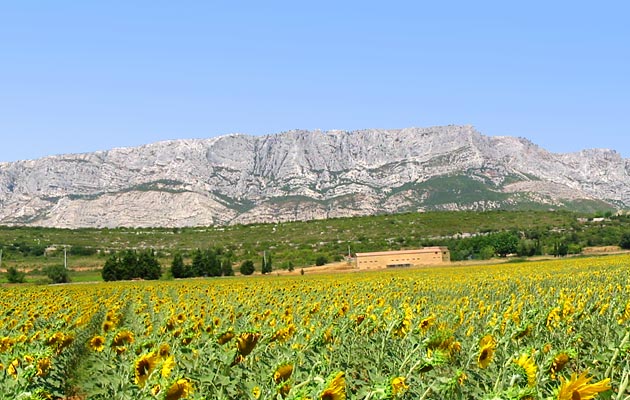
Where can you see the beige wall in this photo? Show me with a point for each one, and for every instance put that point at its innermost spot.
(433, 255)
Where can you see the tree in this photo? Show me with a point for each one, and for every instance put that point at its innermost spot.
(505, 243)
(321, 260)
(266, 264)
(625, 241)
(58, 274)
(226, 267)
(148, 266)
(177, 266)
(247, 267)
(198, 267)
(486, 253)
(15, 276)
(212, 263)
(111, 269)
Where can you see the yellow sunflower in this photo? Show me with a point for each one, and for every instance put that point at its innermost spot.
(123, 338)
(168, 366)
(281, 376)
(164, 350)
(12, 370)
(336, 389)
(225, 337)
(527, 363)
(97, 343)
(143, 368)
(558, 363)
(486, 352)
(283, 373)
(578, 387)
(43, 366)
(399, 386)
(246, 342)
(485, 356)
(179, 390)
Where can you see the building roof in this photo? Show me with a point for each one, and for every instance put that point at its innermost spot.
(431, 249)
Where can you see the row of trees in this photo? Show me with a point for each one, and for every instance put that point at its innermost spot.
(209, 262)
(215, 262)
(132, 264)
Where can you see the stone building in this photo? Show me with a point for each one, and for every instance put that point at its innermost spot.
(403, 258)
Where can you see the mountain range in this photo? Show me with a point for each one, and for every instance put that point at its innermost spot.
(302, 175)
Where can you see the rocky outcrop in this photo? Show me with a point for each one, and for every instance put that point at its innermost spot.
(300, 175)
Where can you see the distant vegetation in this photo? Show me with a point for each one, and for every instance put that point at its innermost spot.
(468, 235)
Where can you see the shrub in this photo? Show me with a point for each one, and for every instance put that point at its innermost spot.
(321, 260)
(57, 274)
(15, 276)
(247, 267)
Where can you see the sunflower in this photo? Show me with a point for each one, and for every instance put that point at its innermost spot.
(281, 376)
(486, 352)
(143, 368)
(336, 389)
(225, 337)
(168, 366)
(485, 356)
(43, 366)
(122, 338)
(178, 390)
(164, 350)
(528, 365)
(283, 373)
(578, 387)
(97, 343)
(558, 363)
(399, 386)
(6, 343)
(427, 322)
(246, 342)
(12, 370)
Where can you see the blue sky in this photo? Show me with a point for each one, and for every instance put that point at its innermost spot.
(84, 76)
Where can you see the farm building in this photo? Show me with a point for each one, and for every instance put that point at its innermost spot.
(403, 258)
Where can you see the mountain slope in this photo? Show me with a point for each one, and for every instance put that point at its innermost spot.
(306, 175)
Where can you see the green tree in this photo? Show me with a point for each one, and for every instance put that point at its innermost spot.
(625, 241)
(321, 260)
(505, 243)
(177, 266)
(148, 266)
(15, 276)
(486, 253)
(212, 263)
(266, 264)
(226, 267)
(247, 267)
(57, 274)
(112, 269)
(198, 264)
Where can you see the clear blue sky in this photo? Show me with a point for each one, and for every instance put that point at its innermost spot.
(78, 76)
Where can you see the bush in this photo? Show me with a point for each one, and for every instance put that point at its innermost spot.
(247, 267)
(625, 241)
(57, 274)
(15, 276)
(321, 260)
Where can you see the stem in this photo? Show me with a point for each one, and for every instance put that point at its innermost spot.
(616, 354)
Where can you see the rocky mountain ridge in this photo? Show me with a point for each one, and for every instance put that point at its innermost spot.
(300, 175)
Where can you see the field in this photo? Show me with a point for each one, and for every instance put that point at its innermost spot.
(302, 243)
(531, 330)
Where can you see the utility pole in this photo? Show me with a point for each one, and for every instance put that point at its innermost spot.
(65, 258)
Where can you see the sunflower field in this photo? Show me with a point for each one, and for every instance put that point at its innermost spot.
(531, 330)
